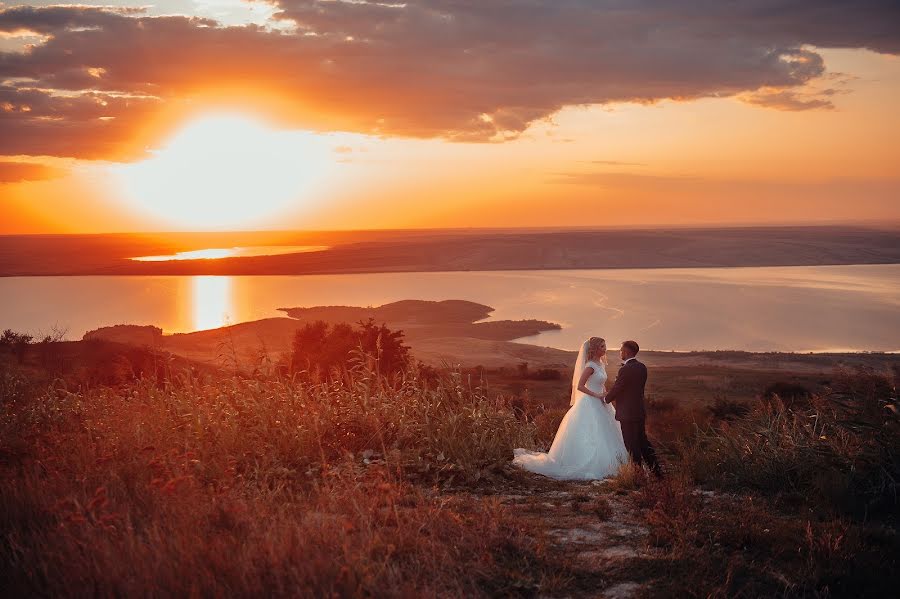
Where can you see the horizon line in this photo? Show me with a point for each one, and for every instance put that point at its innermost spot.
(868, 224)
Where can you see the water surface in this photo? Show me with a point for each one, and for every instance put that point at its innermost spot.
(820, 308)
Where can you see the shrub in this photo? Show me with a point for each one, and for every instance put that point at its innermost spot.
(545, 374)
(869, 390)
(728, 409)
(17, 343)
(323, 350)
(659, 405)
(14, 386)
(790, 394)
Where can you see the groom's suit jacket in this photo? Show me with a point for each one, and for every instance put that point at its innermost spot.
(628, 392)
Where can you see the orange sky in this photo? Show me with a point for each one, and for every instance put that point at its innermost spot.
(341, 136)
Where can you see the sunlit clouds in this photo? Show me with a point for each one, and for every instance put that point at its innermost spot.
(357, 114)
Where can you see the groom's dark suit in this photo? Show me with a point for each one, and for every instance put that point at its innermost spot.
(628, 393)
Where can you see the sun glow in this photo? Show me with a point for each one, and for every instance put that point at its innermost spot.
(235, 252)
(227, 171)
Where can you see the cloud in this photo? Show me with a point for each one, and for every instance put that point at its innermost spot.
(812, 96)
(427, 68)
(792, 99)
(16, 172)
(788, 100)
(93, 125)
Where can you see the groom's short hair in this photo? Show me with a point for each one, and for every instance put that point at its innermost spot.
(632, 346)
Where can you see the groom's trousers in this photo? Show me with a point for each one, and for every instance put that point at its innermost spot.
(635, 436)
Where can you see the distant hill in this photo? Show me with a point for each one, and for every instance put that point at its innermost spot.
(454, 250)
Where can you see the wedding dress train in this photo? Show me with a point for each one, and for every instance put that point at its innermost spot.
(588, 444)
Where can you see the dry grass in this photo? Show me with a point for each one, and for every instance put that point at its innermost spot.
(714, 545)
(801, 501)
(628, 478)
(260, 487)
(841, 454)
(248, 486)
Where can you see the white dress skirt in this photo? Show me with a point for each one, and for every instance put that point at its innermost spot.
(588, 444)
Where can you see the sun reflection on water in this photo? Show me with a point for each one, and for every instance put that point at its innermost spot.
(212, 302)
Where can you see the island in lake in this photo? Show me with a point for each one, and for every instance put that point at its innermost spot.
(450, 331)
(455, 333)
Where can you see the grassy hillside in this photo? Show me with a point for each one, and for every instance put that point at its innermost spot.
(179, 482)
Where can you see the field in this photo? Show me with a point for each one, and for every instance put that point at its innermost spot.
(127, 472)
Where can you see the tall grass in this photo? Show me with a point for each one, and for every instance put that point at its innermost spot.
(840, 451)
(267, 486)
(801, 499)
(743, 545)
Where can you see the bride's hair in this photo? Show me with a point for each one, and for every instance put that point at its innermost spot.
(593, 346)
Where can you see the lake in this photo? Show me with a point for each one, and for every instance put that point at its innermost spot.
(820, 308)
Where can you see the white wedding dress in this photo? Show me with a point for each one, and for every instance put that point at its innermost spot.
(588, 444)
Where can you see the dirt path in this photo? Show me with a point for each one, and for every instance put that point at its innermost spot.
(595, 526)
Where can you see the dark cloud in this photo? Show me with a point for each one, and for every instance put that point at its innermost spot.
(458, 69)
(91, 124)
(16, 172)
(52, 19)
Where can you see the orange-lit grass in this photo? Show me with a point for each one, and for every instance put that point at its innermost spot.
(259, 487)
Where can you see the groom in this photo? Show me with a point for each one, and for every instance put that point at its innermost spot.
(628, 393)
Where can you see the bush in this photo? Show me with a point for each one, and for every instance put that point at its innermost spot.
(14, 386)
(790, 394)
(864, 387)
(728, 409)
(660, 405)
(545, 374)
(324, 351)
(17, 343)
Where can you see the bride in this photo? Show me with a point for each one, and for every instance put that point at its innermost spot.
(588, 444)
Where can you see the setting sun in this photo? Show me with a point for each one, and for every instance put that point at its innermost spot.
(226, 171)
